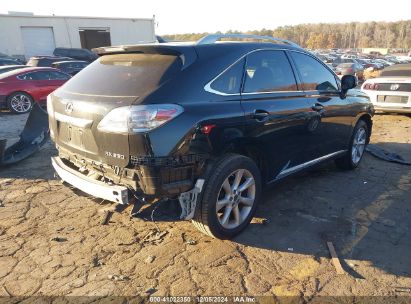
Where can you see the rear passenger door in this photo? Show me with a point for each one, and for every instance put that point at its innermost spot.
(276, 112)
(331, 114)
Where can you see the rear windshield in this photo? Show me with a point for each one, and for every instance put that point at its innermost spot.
(401, 70)
(124, 75)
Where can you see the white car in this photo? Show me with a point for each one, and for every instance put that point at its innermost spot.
(391, 92)
(349, 56)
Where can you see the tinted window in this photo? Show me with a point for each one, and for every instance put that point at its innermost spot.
(61, 52)
(44, 62)
(41, 75)
(44, 75)
(29, 76)
(78, 53)
(125, 74)
(54, 75)
(230, 81)
(314, 75)
(268, 71)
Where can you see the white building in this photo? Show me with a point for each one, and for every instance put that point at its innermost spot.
(25, 34)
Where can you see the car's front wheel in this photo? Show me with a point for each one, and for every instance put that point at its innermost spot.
(356, 150)
(20, 102)
(230, 197)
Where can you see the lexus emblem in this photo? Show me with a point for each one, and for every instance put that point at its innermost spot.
(69, 107)
(394, 87)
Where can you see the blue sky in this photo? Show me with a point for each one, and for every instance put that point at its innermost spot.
(183, 16)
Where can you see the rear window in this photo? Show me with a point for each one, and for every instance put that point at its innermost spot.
(60, 52)
(124, 74)
(400, 70)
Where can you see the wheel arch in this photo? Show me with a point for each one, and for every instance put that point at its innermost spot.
(252, 151)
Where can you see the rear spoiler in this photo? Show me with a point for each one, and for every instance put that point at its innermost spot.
(186, 52)
(35, 134)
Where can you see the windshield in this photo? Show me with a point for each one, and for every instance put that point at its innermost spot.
(129, 75)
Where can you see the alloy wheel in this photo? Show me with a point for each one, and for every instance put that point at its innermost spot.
(20, 103)
(358, 145)
(235, 199)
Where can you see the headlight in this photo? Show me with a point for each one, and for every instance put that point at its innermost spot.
(137, 119)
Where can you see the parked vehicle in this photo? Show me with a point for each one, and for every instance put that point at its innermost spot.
(403, 59)
(5, 56)
(19, 89)
(392, 59)
(391, 92)
(208, 123)
(383, 62)
(8, 68)
(349, 56)
(354, 69)
(70, 67)
(79, 54)
(45, 61)
(341, 60)
(6, 61)
(366, 63)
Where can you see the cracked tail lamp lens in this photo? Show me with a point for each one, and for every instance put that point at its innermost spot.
(137, 119)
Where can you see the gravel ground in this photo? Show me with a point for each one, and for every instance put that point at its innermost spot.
(52, 241)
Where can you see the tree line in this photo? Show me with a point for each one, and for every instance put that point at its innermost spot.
(332, 35)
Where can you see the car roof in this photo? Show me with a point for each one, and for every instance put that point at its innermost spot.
(26, 70)
(13, 66)
(193, 51)
(70, 61)
(47, 57)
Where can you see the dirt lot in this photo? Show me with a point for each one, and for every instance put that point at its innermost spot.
(52, 241)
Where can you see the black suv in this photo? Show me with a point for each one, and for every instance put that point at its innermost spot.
(208, 123)
(79, 54)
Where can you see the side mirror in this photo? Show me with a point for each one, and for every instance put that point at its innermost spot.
(348, 82)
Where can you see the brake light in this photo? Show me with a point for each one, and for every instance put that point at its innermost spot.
(140, 118)
(371, 86)
(207, 129)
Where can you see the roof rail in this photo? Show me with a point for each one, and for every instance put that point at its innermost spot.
(213, 38)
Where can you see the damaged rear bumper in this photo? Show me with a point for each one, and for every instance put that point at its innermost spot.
(113, 193)
(145, 177)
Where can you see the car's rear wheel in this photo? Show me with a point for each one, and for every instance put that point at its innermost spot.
(20, 102)
(230, 197)
(356, 150)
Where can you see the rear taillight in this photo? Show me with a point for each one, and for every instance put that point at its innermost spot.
(137, 119)
(371, 86)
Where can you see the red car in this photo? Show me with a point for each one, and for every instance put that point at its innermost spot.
(19, 89)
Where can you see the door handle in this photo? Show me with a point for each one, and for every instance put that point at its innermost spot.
(260, 115)
(317, 107)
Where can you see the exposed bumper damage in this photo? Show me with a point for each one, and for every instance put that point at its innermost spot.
(114, 193)
(35, 134)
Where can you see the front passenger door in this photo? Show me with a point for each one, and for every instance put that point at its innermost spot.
(332, 111)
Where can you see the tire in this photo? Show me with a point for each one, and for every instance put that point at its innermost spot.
(225, 223)
(358, 143)
(20, 102)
